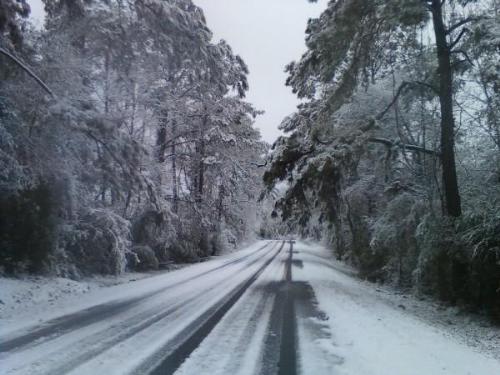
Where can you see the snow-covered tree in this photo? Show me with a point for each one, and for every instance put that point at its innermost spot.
(140, 144)
(393, 92)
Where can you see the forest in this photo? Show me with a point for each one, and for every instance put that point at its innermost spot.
(126, 142)
(394, 156)
(125, 138)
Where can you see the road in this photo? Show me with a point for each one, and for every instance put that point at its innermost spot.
(274, 308)
(225, 316)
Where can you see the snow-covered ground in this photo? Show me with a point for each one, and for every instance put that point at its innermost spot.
(237, 345)
(371, 332)
(126, 328)
(28, 296)
(230, 315)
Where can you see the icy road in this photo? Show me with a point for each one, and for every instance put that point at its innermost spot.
(272, 308)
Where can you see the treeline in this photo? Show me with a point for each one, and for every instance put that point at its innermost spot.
(394, 157)
(125, 140)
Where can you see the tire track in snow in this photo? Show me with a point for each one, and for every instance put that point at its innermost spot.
(68, 358)
(235, 344)
(295, 311)
(101, 342)
(169, 358)
(288, 349)
(280, 355)
(62, 325)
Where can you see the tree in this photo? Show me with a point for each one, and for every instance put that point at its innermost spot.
(393, 91)
(125, 156)
(10, 13)
(355, 42)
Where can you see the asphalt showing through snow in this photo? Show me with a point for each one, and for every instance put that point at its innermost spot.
(173, 361)
(285, 300)
(64, 324)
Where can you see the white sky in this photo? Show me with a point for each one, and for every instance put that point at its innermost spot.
(268, 34)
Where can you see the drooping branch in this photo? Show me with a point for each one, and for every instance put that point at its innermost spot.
(370, 124)
(24, 67)
(405, 146)
(399, 92)
(92, 136)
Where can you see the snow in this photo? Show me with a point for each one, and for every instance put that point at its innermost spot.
(175, 300)
(236, 345)
(369, 335)
(25, 293)
(25, 296)
(345, 326)
(42, 299)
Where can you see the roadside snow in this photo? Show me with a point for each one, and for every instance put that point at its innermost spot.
(370, 332)
(29, 301)
(137, 337)
(28, 295)
(25, 293)
(19, 295)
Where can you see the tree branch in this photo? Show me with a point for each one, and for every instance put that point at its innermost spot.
(321, 142)
(371, 123)
(27, 70)
(260, 165)
(457, 39)
(428, 85)
(461, 23)
(465, 55)
(389, 143)
(403, 85)
(381, 115)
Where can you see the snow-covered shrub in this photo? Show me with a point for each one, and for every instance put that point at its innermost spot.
(142, 258)
(480, 234)
(443, 267)
(14, 176)
(218, 243)
(183, 250)
(155, 230)
(98, 243)
(27, 230)
(359, 200)
(393, 237)
(228, 241)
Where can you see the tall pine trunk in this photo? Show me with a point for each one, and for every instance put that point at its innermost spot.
(201, 157)
(452, 196)
(173, 150)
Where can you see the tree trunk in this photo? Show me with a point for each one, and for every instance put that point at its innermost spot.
(220, 203)
(201, 160)
(173, 150)
(161, 140)
(450, 184)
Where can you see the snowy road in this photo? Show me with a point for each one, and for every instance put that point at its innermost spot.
(157, 325)
(272, 308)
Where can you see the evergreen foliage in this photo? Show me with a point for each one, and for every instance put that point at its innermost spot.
(143, 151)
(369, 161)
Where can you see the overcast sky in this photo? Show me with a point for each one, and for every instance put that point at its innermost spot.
(268, 34)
